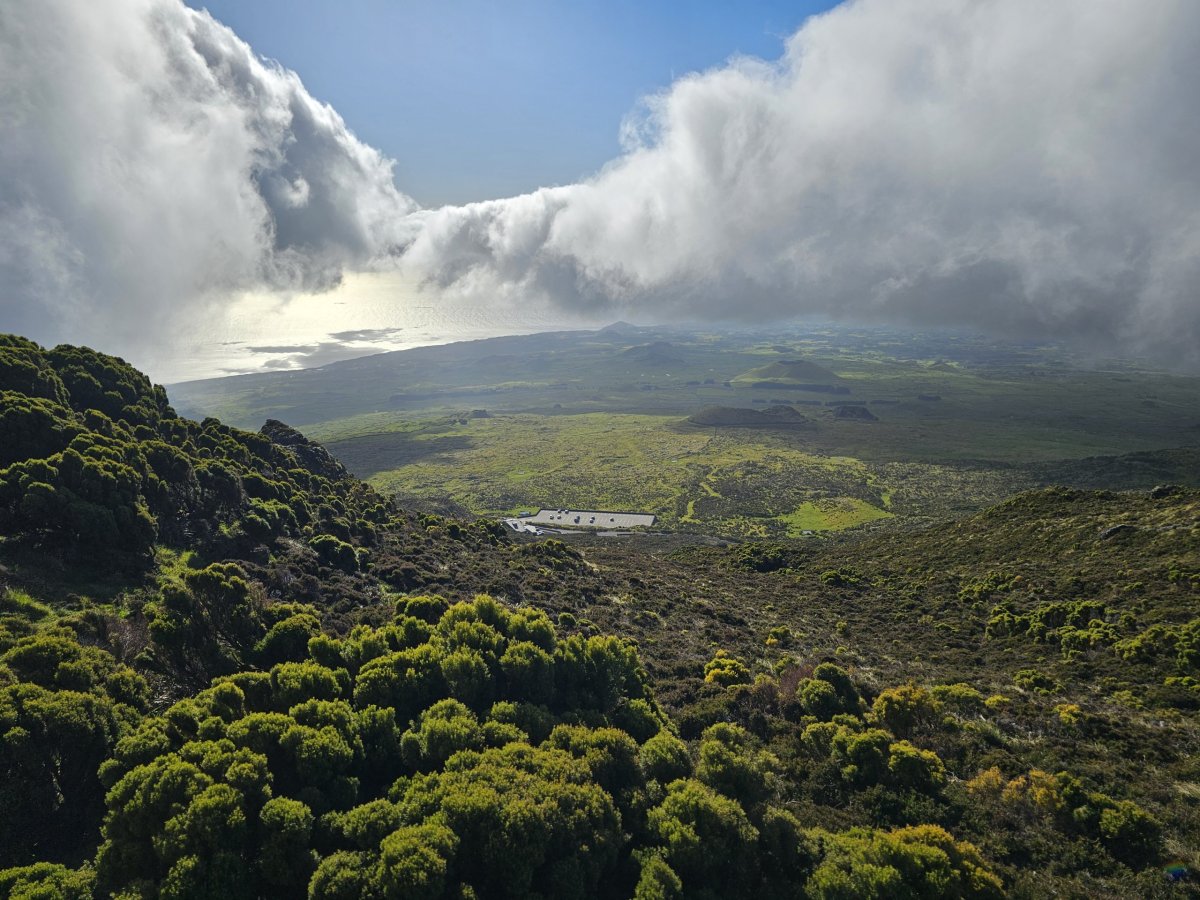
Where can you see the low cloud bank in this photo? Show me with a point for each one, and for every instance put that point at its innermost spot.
(1021, 167)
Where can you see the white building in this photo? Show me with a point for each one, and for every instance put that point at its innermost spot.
(590, 518)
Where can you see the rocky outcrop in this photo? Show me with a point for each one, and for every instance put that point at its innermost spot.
(312, 456)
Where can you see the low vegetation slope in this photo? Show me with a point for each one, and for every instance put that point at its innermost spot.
(740, 417)
(789, 371)
(227, 668)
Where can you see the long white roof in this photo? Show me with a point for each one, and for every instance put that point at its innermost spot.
(591, 518)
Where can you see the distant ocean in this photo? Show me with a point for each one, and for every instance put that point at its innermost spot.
(367, 314)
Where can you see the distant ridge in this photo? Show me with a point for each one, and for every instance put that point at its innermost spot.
(788, 371)
(620, 328)
(661, 353)
(741, 417)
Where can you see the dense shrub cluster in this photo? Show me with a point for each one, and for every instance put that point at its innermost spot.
(63, 708)
(911, 757)
(100, 467)
(1081, 626)
(1126, 830)
(460, 750)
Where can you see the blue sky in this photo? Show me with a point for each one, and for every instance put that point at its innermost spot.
(476, 99)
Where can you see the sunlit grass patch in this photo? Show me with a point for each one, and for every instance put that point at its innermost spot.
(172, 564)
(831, 515)
(14, 600)
(692, 476)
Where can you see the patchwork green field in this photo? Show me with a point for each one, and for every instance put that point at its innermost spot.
(740, 435)
(686, 476)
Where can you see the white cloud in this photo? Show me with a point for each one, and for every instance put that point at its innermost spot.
(1016, 165)
(150, 165)
(1009, 164)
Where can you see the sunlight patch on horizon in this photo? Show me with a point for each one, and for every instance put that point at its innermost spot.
(367, 313)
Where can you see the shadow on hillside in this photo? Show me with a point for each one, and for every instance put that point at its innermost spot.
(371, 454)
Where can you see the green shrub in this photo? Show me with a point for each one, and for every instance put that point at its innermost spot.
(726, 670)
(1033, 680)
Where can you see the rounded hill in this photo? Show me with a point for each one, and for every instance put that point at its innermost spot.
(792, 374)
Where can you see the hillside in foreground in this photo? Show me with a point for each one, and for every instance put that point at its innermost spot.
(229, 668)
